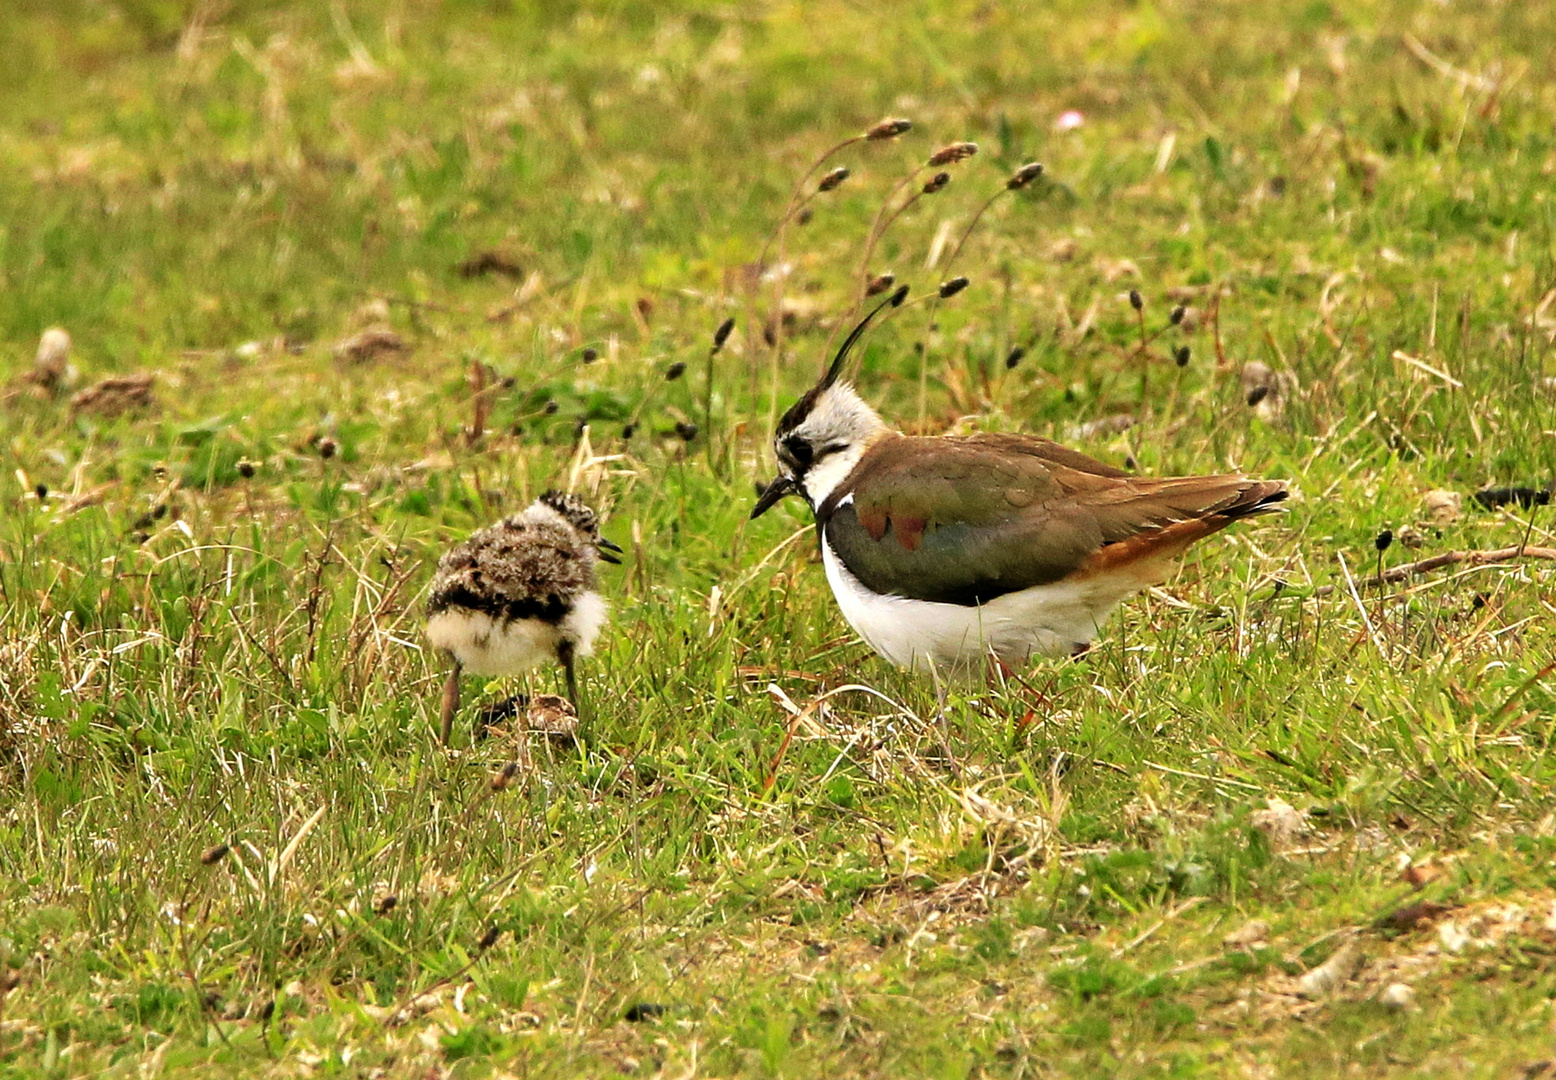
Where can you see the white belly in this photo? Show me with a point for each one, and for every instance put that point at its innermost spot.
(486, 646)
(1045, 619)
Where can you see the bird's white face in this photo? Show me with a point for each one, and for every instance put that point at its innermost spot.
(822, 447)
(825, 433)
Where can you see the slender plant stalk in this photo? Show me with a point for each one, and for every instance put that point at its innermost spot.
(877, 229)
(883, 131)
(1018, 180)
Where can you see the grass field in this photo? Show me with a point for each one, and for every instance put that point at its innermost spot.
(1280, 822)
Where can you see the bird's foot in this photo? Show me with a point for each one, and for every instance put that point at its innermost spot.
(498, 713)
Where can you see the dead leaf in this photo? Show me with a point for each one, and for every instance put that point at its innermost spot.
(370, 344)
(1423, 875)
(90, 497)
(114, 395)
(493, 261)
(1064, 249)
(1413, 916)
(1251, 933)
(1113, 269)
(554, 717)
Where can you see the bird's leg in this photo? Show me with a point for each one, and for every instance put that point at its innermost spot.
(942, 721)
(450, 702)
(565, 653)
(1001, 675)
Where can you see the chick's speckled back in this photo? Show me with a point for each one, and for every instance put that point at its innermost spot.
(526, 566)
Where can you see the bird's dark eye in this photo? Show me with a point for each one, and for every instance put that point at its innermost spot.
(799, 450)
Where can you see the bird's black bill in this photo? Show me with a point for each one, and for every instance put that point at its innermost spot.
(609, 552)
(781, 486)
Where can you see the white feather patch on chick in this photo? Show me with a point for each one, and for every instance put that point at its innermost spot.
(488, 646)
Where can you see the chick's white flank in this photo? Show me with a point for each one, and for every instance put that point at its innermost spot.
(491, 647)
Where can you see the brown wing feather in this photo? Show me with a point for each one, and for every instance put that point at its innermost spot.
(1248, 498)
(966, 520)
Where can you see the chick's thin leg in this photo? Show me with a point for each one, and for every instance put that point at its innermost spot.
(450, 702)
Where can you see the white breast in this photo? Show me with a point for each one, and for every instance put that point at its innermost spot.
(486, 646)
(582, 624)
(1045, 619)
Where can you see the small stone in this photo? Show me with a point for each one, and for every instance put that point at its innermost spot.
(1267, 390)
(1451, 936)
(372, 311)
(1332, 973)
(1397, 996)
(1280, 821)
(51, 368)
(1444, 507)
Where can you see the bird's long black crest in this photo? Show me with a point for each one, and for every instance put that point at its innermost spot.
(801, 408)
(894, 300)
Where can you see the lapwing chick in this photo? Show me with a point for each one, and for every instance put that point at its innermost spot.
(946, 551)
(519, 594)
